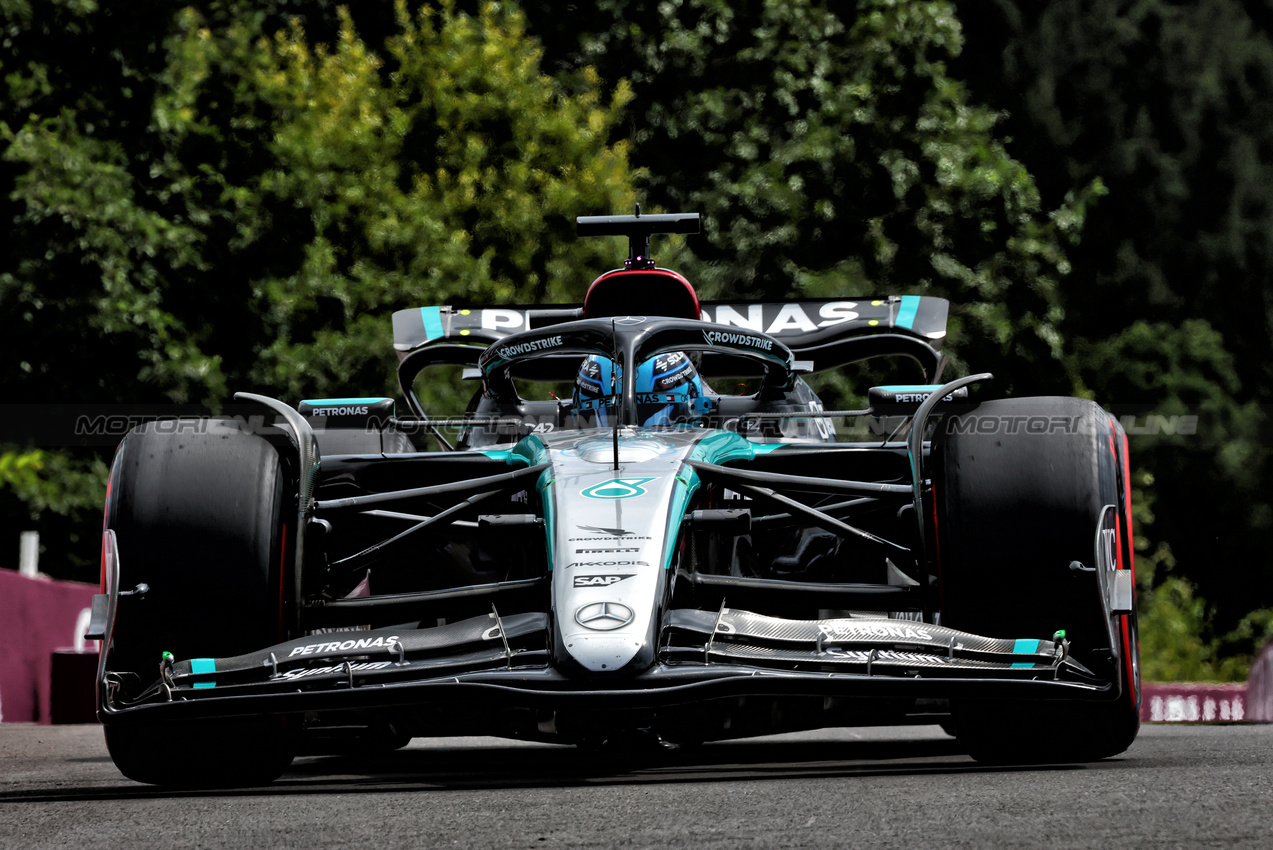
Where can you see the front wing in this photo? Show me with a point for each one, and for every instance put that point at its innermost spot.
(703, 655)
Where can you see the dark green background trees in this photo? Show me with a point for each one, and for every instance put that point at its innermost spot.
(235, 195)
(1169, 304)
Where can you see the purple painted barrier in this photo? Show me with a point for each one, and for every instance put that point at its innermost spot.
(1260, 686)
(1193, 702)
(38, 616)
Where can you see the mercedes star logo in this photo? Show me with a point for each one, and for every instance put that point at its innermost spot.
(603, 616)
(629, 320)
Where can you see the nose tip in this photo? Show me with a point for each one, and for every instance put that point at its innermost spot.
(602, 653)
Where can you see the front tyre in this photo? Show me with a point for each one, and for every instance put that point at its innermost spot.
(1022, 488)
(199, 519)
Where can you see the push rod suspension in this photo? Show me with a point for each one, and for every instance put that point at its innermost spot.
(492, 483)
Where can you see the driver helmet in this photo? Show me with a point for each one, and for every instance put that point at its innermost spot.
(668, 388)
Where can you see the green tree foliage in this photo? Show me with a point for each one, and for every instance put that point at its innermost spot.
(60, 495)
(85, 260)
(1179, 640)
(832, 153)
(311, 185)
(1170, 304)
(1169, 104)
(450, 176)
(244, 213)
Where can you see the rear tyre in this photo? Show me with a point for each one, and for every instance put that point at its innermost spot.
(1021, 487)
(199, 518)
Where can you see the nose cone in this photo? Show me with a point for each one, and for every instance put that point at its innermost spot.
(614, 533)
(601, 638)
(602, 653)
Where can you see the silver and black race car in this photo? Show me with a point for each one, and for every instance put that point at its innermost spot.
(680, 547)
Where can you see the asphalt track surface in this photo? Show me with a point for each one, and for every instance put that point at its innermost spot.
(1178, 786)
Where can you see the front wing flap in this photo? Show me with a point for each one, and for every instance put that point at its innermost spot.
(873, 644)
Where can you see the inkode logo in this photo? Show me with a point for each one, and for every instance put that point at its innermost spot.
(608, 564)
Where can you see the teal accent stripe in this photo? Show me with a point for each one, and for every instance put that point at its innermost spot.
(910, 388)
(322, 402)
(906, 315)
(717, 447)
(508, 456)
(432, 318)
(1025, 647)
(682, 490)
(203, 665)
(550, 521)
(531, 451)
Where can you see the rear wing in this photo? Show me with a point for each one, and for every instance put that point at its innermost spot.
(815, 330)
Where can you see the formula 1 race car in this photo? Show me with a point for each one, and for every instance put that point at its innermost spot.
(642, 561)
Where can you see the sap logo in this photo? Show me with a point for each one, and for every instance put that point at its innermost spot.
(601, 581)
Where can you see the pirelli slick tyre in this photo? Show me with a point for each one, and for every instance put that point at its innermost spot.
(1021, 489)
(198, 514)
